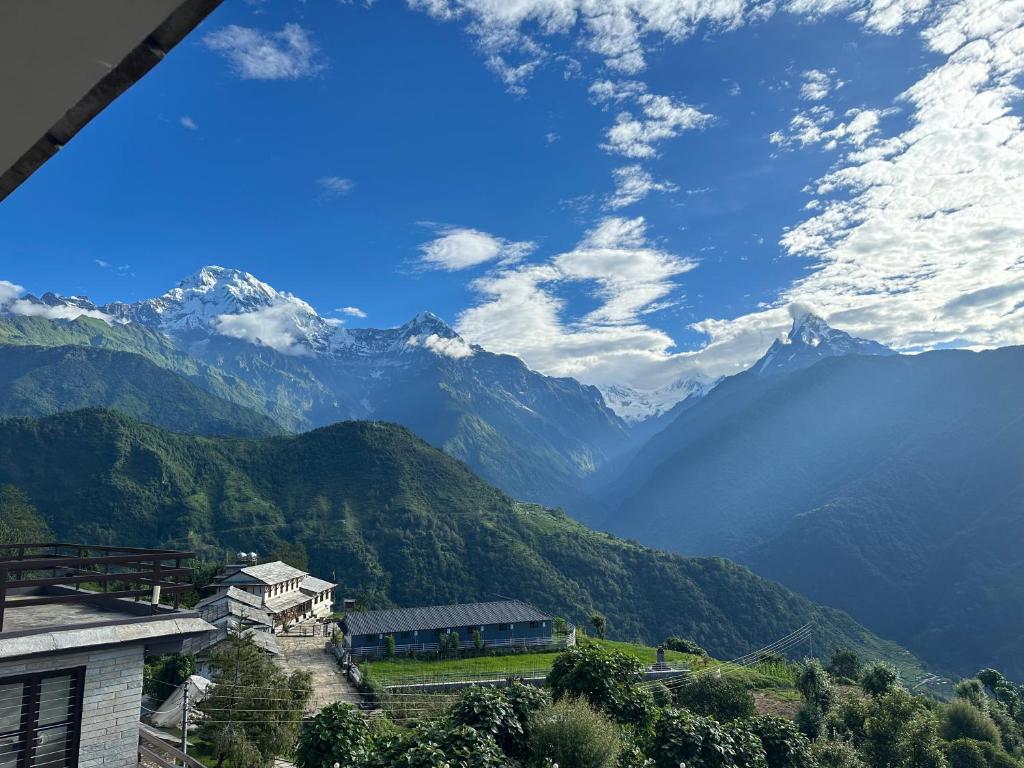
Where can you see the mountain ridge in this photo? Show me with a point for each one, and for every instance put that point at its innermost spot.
(394, 521)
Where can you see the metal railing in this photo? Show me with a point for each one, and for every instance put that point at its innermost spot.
(555, 642)
(157, 753)
(92, 572)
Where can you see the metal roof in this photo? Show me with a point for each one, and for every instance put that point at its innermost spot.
(459, 616)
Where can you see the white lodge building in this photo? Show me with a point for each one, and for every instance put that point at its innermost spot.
(286, 593)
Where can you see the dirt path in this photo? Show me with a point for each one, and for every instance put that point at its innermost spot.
(329, 684)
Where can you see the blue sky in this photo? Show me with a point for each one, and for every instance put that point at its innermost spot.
(628, 191)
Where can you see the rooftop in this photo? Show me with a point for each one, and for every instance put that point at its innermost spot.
(266, 573)
(392, 620)
(66, 596)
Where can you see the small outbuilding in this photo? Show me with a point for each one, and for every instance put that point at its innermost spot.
(503, 624)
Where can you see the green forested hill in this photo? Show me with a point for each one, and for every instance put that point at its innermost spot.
(40, 381)
(394, 521)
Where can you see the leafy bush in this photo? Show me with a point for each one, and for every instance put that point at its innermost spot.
(844, 663)
(682, 645)
(501, 713)
(437, 745)
(662, 695)
(748, 746)
(964, 753)
(784, 745)
(683, 738)
(722, 698)
(972, 690)
(829, 753)
(337, 735)
(572, 734)
(878, 678)
(963, 720)
(608, 679)
(815, 685)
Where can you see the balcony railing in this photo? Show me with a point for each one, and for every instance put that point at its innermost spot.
(73, 573)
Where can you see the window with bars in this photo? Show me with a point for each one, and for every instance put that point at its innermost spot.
(40, 719)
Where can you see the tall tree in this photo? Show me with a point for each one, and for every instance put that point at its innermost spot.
(254, 710)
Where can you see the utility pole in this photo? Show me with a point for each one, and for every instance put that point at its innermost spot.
(184, 716)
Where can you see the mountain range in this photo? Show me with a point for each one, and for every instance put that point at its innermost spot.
(882, 484)
(535, 436)
(395, 521)
(886, 485)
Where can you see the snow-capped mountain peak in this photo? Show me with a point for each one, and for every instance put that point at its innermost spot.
(809, 340)
(637, 405)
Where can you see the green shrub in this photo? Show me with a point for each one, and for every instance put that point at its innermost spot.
(609, 680)
(879, 678)
(338, 734)
(572, 734)
(815, 685)
(389, 646)
(996, 757)
(683, 738)
(749, 749)
(719, 697)
(963, 720)
(784, 745)
(682, 645)
(503, 713)
(662, 695)
(829, 753)
(964, 753)
(436, 745)
(844, 663)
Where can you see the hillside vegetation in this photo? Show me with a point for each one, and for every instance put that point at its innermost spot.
(887, 486)
(40, 381)
(395, 521)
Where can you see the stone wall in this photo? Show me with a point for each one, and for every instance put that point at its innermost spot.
(110, 704)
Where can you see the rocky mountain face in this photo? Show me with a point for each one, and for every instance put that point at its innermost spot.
(809, 340)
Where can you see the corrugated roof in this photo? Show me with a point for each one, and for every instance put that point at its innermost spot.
(459, 616)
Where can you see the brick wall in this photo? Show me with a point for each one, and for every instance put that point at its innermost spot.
(110, 704)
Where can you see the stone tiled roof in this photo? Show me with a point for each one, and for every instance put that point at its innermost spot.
(392, 620)
(286, 601)
(233, 593)
(315, 586)
(273, 573)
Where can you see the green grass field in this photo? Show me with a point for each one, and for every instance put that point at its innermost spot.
(769, 675)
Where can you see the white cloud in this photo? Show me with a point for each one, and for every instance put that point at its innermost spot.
(188, 122)
(11, 304)
(9, 292)
(815, 126)
(661, 118)
(351, 311)
(551, 137)
(289, 54)
(460, 248)
(521, 312)
(277, 326)
(442, 346)
(817, 84)
(101, 263)
(920, 243)
(632, 184)
(615, 31)
(335, 185)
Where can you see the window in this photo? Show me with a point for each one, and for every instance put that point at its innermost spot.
(504, 627)
(406, 635)
(534, 624)
(40, 719)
